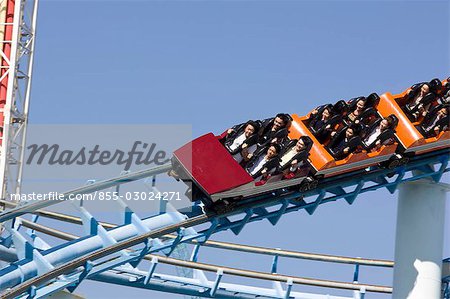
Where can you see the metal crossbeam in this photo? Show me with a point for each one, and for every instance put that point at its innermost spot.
(220, 223)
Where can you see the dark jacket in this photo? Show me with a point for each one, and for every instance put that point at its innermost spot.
(271, 164)
(339, 142)
(266, 134)
(237, 131)
(443, 123)
(386, 137)
(300, 156)
(323, 128)
(410, 108)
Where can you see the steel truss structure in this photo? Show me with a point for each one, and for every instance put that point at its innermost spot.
(130, 253)
(17, 43)
(116, 254)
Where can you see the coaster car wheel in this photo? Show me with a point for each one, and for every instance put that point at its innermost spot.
(305, 186)
(404, 160)
(223, 207)
(313, 184)
(392, 164)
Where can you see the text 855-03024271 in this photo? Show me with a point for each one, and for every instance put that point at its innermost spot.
(168, 196)
(98, 195)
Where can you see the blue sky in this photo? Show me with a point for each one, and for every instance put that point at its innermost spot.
(212, 64)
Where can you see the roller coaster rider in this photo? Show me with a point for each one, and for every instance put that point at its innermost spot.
(294, 156)
(381, 132)
(437, 120)
(264, 161)
(274, 130)
(240, 137)
(345, 142)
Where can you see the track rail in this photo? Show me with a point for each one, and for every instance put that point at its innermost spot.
(252, 210)
(215, 268)
(80, 262)
(18, 42)
(237, 247)
(209, 243)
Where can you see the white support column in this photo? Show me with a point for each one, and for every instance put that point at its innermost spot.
(419, 240)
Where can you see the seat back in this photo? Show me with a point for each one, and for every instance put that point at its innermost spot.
(340, 108)
(372, 100)
(436, 86)
(371, 127)
(354, 142)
